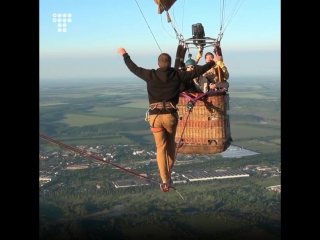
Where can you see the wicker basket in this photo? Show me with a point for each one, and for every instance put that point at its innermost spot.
(206, 130)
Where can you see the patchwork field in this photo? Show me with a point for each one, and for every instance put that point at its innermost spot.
(82, 120)
(93, 109)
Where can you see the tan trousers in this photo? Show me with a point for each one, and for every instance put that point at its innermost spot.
(165, 142)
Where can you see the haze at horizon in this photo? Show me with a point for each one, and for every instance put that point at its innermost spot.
(88, 48)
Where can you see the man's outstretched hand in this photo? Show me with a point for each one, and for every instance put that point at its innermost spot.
(121, 50)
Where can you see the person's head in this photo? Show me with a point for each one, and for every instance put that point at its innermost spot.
(164, 60)
(190, 64)
(209, 57)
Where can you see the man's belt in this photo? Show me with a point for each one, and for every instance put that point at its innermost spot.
(161, 105)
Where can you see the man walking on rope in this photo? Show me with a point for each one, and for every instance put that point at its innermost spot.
(163, 85)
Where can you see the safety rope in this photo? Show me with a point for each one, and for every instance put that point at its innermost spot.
(192, 102)
(184, 127)
(99, 159)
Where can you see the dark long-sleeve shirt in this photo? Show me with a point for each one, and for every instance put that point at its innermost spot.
(163, 84)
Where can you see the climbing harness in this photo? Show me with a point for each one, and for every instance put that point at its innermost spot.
(158, 105)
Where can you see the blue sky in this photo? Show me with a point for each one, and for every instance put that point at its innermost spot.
(95, 29)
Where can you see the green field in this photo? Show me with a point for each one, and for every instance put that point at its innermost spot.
(91, 113)
(82, 120)
(252, 131)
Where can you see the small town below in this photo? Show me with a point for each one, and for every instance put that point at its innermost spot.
(54, 163)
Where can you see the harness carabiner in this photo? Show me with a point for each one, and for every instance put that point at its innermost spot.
(190, 106)
(147, 118)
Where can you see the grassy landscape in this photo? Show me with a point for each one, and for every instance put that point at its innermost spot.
(95, 113)
(94, 104)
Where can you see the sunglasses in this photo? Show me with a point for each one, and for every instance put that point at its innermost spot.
(190, 67)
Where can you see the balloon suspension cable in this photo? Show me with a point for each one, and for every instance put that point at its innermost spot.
(225, 21)
(179, 36)
(149, 27)
(220, 35)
